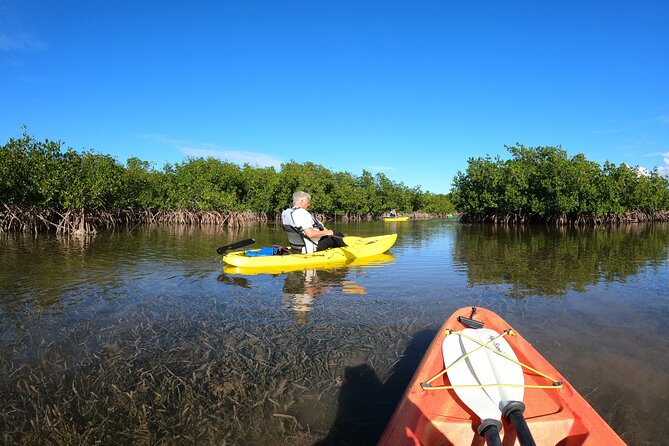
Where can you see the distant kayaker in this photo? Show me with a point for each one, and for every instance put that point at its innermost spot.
(305, 233)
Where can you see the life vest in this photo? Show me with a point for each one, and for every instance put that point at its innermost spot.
(296, 236)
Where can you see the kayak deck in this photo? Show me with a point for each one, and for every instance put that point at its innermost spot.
(396, 219)
(357, 248)
(434, 417)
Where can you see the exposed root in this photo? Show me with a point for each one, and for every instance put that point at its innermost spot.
(566, 219)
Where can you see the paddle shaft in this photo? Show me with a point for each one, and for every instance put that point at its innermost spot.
(240, 244)
(514, 412)
(490, 430)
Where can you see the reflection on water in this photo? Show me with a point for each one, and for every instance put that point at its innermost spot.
(551, 261)
(144, 337)
(302, 288)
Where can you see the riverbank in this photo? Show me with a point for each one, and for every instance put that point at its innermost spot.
(36, 220)
(565, 219)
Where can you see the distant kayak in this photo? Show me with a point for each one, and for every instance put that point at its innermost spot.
(395, 218)
(490, 372)
(357, 248)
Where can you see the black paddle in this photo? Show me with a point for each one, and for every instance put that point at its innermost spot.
(240, 244)
(514, 412)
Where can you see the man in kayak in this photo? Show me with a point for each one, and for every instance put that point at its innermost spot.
(305, 233)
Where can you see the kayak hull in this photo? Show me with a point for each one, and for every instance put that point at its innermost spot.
(371, 262)
(358, 248)
(395, 218)
(435, 417)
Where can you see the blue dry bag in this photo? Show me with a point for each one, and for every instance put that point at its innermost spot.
(261, 252)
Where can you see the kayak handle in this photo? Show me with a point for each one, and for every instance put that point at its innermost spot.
(469, 321)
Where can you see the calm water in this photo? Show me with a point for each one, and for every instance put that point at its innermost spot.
(144, 338)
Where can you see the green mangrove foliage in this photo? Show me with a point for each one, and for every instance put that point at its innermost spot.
(545, 184)
(43, 187)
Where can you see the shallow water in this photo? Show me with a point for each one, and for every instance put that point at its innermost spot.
(142, 337)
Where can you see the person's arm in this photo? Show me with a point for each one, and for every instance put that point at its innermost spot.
(303, 219)
(315, 233)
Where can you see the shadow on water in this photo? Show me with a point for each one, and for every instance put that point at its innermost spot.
(365, 403)
(236, 281)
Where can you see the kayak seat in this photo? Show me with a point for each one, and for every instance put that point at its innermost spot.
(296, 238)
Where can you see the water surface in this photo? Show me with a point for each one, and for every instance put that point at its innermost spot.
(141, 337)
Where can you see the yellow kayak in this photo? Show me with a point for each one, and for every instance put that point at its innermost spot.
(371, 262)
(395, 218)
(357, 248)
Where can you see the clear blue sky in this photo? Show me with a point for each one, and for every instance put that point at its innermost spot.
(411, 89)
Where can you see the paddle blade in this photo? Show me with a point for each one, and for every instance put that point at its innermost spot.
(460, 373)
(504, 371)
(481, 370)
(498, 369)
(240, 244)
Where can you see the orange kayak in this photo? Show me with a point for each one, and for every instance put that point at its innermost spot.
(437, 409)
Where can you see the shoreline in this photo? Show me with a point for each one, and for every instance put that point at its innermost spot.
(17, 219)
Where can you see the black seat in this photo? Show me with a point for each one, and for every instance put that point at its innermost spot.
(296, 238)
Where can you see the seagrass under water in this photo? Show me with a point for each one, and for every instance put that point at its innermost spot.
(209, 377)
(141, 338)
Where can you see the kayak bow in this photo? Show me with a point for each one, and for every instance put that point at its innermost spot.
(445, 402)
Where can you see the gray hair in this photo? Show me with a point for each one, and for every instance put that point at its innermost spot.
(299, 196)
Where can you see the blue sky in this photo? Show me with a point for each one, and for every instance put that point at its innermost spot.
(411, 89)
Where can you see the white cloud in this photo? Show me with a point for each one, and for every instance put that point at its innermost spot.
(234, 156)
(664, 170)
(205, 150)
(163, 139)
(20, 42)
(383, 168)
